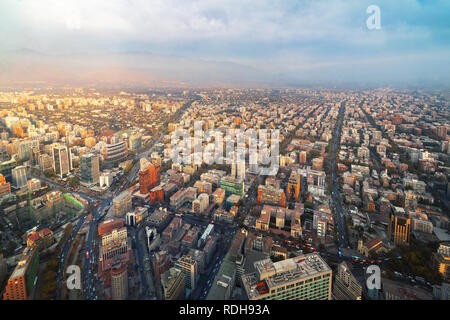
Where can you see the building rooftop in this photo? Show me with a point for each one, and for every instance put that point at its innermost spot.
(274, 274)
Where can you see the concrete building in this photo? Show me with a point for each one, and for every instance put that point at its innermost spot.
(173, 282)
(122, 203)
(61, 161)
(189, 267)
(200, 204)
(345, 285)
(268, 194)
(114, 153)
(90, 169)
(441, 260)
(219, 196)
(45, 162)
(24, 276)
(305, 277)
(119, 282)
(5, 187)
(399, 227)
(34, 184)
(19, 177)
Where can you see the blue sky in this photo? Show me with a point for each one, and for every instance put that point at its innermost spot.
(293, 41)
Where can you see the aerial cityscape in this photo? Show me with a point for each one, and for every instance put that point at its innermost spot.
(233, 183)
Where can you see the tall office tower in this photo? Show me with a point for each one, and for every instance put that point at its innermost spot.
(399, 227)
(238, 170)
(144, 176)
(25, 148)
(45, 162)
(119, 282)
(440, 260)
(189, 267)
(155, 175)
(3, 268)
(70, 156)
(293, 187)
(162, 261)
(23, 278)
(122, 203)
(149, 176)
(90, 169)
(61, 161)
(34, 156)
(306, 277)
(442, 132)
(136, 142)
(173, 282)
(19, 177)
(302, 157)
(345, 285)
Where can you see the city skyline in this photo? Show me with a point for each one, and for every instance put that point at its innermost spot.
(224, 153)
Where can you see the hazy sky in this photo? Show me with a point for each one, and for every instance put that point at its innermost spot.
(279, 41)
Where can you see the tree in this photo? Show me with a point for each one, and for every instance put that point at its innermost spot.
(49, 173)
(10, 248)
(74, 182)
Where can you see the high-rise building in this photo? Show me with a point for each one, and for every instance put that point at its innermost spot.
(189, 267)
(232, 186)
(399, 227)
(108, 225)
(136, 142)
(19, 177)
(61, 161)
(173, 283)
(238, 170)
(25, 148)
(149, 176)
(45, 162)
(162, 262)
(5, 187)
(34, 156)
(219, 196)
(114, 249)
(293, 187)
(34, 184)
(24, 276)
(3, 268)
(114, 152)
(345, 285)
(441, 260)
(200, 204)
(122, 203)
(90, 169)
(442, 132)
(302, 157)
(268, 194)
(305, 277)
(119, 282)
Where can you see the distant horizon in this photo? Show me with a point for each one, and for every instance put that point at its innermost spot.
(235, 43)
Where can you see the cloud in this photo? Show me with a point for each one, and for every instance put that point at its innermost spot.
(271, 36)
